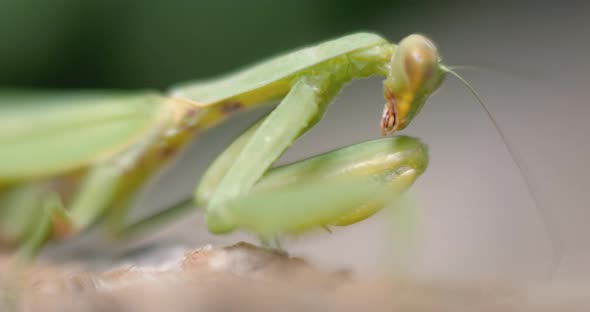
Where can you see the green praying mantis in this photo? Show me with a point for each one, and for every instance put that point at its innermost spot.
(69, 159)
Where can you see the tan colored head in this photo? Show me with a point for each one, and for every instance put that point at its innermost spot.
(415, 73)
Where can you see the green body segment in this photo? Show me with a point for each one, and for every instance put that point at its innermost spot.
(273, 78)
(353, 56)
(50, 133)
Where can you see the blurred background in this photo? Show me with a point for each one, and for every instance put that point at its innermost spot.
(475, 217)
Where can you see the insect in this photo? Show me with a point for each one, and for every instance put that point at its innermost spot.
(69, 159)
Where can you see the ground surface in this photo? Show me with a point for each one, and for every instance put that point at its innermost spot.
(246, 278)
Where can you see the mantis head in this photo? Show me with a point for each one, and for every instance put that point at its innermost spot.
(415, 73)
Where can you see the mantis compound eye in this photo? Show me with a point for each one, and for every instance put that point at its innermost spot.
(420, 60)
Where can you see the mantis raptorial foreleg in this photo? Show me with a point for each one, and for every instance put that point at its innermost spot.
(337, 188)
(266, 144)
(310, 203)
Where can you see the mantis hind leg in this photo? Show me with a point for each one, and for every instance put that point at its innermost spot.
(39, 230)
(52, 208)
(54, 219)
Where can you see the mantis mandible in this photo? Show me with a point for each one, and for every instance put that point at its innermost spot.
(67, 159)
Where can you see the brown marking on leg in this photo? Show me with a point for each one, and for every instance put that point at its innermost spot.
(62, 227)
(231, 106)
(166, 152)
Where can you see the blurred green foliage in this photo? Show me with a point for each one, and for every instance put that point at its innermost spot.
(144, 43)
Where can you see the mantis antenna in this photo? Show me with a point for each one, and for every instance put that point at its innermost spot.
(541, 210)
